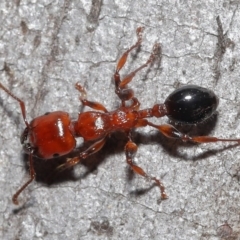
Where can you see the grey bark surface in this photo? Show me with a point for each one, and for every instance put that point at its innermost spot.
(47, 46)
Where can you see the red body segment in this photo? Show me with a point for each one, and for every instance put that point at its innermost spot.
(91, 125)
(123, 119)
(52, 135)
(95, 125)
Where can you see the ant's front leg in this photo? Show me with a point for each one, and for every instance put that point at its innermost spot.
(120, 85)
(130, 150)
(85, 102)
(95, 147)
(32, 177)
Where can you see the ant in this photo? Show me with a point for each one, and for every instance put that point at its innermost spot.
(53, 134)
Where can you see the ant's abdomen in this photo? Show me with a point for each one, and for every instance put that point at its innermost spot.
(191, 104)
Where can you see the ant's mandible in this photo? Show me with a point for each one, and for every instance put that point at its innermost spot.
(53, 134)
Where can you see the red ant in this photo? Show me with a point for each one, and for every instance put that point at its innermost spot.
(53, 134)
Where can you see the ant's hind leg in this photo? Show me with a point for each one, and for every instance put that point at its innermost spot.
(171, 132)
(123, 59)
(130, 150)
(85, 102)
(120, 85)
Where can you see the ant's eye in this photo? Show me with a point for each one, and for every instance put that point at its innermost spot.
(24, 135)
(27, 147)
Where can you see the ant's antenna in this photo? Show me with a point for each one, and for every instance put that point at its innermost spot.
(22, 104)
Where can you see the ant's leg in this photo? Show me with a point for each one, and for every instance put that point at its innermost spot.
(135, 104)
(171, 132)
(95, 147)
(129, 77)
(130, 150)
(85, 102)
(123, 93)
(126, 94)
(32, 177)
(123, 59)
